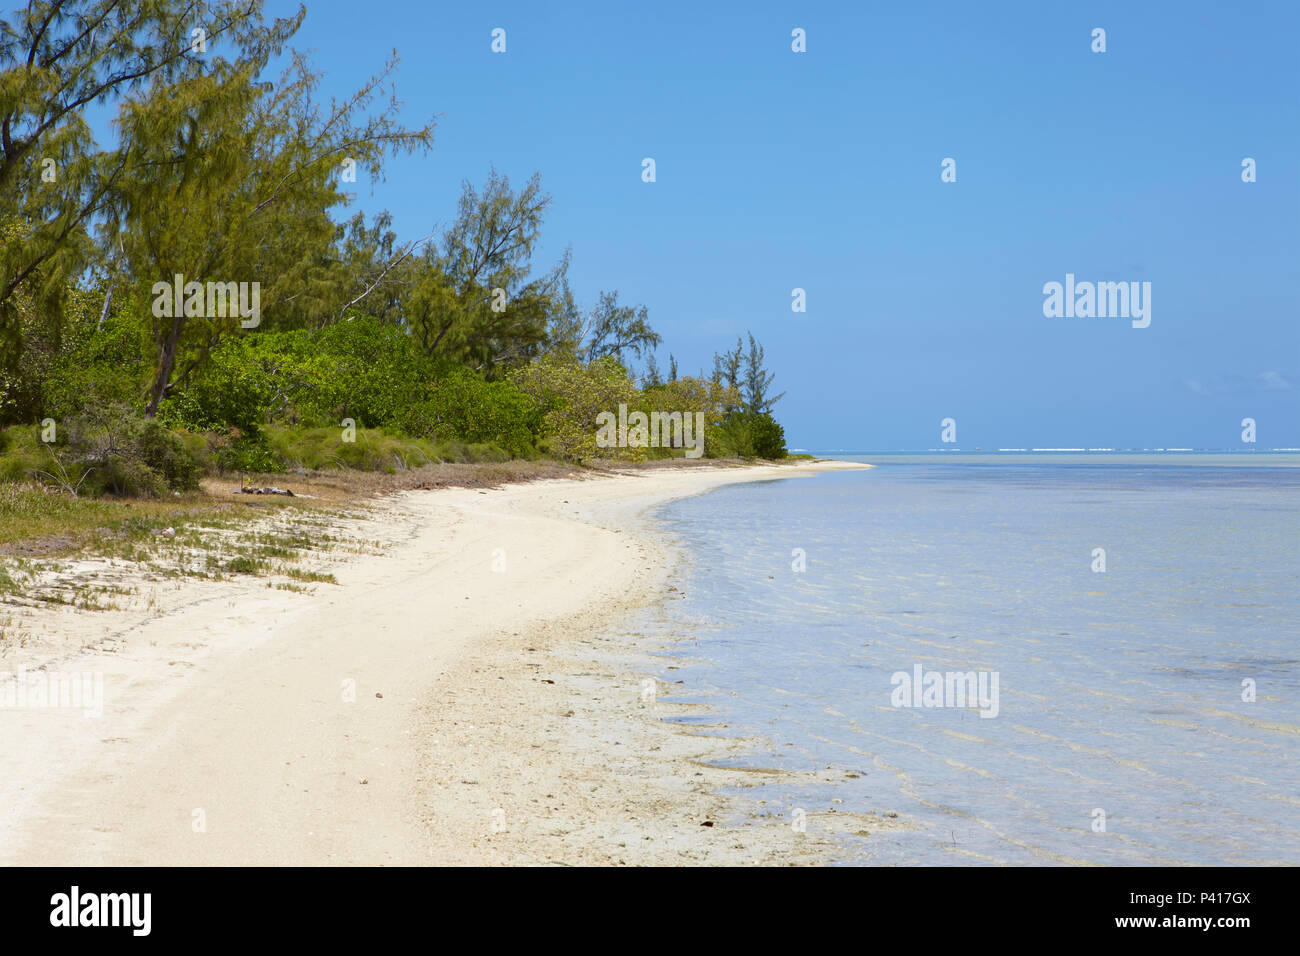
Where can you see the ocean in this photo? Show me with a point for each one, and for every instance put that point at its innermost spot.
(1031, 661)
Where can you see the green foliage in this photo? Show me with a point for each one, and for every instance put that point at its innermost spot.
(165, 454)
(615, 329)
(358, 369)
(21, 453)
(452, 347)
(570, 396)
(103, 448)
(105, 364)
(55, 59)
(63, 356)
(472, 299)
(460, 405)
(240, 452)
(234, 390)
(755, 395)
(747, 377)
(365, 371)
(371, 449)
(243, 565)
(768, 436)
(129, 454)
(747, 435)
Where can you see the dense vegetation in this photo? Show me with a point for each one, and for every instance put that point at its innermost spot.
(361, 350)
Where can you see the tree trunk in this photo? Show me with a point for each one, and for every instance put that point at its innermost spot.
(103, 314)
(166, 363)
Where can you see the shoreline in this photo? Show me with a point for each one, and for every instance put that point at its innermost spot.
(452, 700)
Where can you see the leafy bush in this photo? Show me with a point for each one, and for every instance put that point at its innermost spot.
(369, 450)
(747, 435)
(105, 365)
(372, 449)
(21, 452)
(105, 448)
(131, 455)
(689, 395)
(460, 405)
(261, 403)
(234, 450)
(767, 437)
(233, 391)
(367, 371)
(166, 455)
(360, 369)
(49, 368)
(570, 395)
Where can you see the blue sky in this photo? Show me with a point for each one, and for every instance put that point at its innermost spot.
(821, 170)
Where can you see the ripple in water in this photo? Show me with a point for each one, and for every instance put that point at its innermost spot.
(1118, 692)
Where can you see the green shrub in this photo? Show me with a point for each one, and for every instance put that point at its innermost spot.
(21, 452)
(112, 448)
(108, 365)
(166, 455)
(747, 435)
(461, 406)
(359, 369)
(236, 451)
(59, 356)
(767, 437)
(374, 372)
(570, 395)
(233, 390)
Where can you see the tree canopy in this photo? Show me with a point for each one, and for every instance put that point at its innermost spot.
(225, 178)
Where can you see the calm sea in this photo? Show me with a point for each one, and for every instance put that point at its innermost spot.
(1147, 713)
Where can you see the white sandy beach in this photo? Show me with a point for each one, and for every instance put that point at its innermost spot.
(489, 723)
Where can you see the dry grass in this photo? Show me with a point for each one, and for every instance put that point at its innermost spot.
(215, 532)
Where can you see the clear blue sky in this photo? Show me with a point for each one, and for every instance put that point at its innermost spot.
(821, 170)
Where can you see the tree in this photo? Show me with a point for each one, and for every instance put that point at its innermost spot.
(652, 378)
(57, 57)
(613, 329)
(373, 272)
(757, 380)
(726, 371)
(570, 395)
(230, 180)
(472, 301)
(216, 174)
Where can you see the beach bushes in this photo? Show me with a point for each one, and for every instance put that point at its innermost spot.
(747, 435)
(458, 405)
(104, 448)
(356, 394)
(53, 370)
(370, 449)
(234, 391)
(127, 454)
(359, 371)
(570, 395)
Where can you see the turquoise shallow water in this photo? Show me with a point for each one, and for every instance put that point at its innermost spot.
(1119, 691)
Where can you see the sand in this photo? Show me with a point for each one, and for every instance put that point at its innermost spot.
(456, 698)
